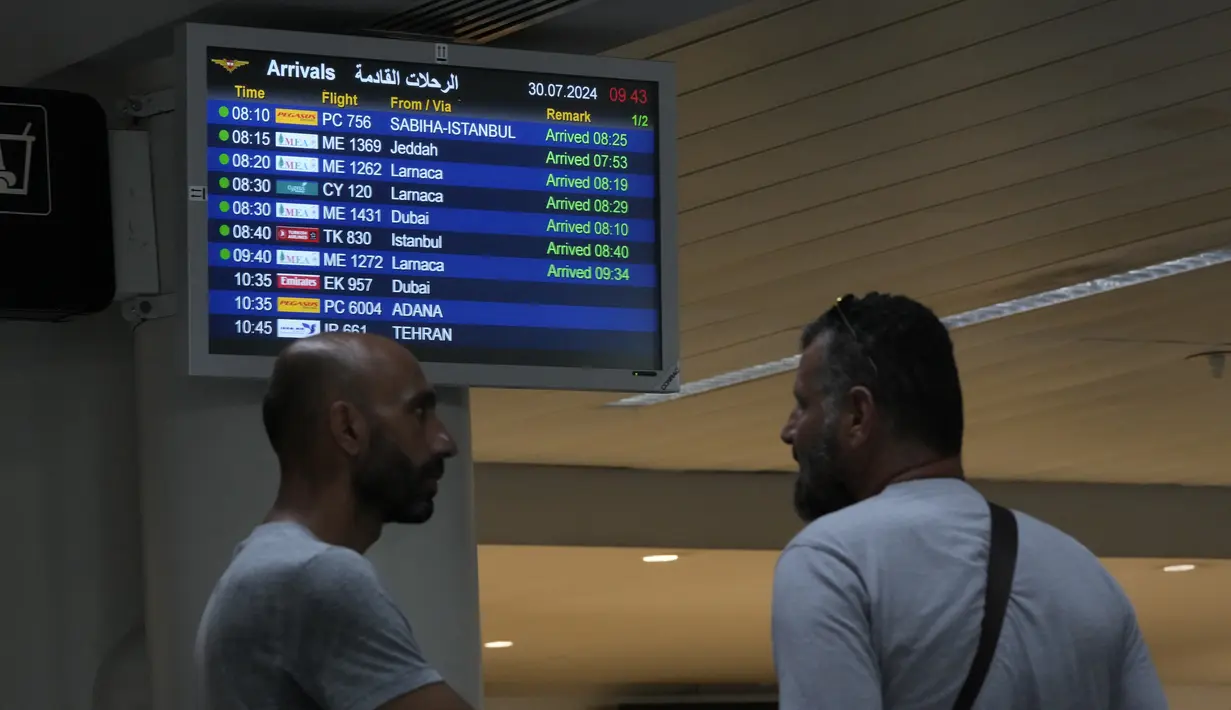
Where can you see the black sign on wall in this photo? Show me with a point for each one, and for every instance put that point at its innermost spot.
(55, 205)
(25, 173)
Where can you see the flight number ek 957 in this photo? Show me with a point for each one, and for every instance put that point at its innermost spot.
(348, 284)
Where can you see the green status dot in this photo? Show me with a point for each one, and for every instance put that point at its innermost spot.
(224, 158)
(224, 183)
(224, 111)
(224, 206)
(225, 253)
(224, 134)
(224, 230)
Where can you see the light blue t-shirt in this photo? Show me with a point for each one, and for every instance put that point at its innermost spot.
(878, 607)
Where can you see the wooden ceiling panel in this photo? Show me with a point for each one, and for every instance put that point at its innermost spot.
(1105, 430)
(802, 184)
(720, 24)
(783, 34)
(951, 83)
(878, 204)
(866, 55)
(1090, 249)
(1028, 279)
(885, 113)
(892, 252)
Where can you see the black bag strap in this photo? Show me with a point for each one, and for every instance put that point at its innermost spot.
(1001, 564)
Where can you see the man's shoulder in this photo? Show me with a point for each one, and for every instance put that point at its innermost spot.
(902, 511)
(290, 565)
(836, 540)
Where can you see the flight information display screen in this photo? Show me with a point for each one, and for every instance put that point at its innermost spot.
(479, 215)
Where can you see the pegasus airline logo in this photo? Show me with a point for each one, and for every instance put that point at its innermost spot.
(230, 64)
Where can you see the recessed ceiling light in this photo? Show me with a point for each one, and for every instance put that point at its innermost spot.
(497, 644)
(1179, 568)
(660, 558)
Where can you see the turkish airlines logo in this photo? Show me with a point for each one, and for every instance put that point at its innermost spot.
(303, 235)
(309, 282)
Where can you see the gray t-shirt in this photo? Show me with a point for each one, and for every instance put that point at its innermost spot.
(878, 606)
(297, 624)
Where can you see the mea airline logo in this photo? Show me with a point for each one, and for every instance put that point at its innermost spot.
(298, 304)
(230, 64)
(303, 235)
(296, 210)
(297, 163)
(305, 141)
(296, 257)
(296, 328)
(306, 282)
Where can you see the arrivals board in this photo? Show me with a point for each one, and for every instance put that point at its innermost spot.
(506, 215)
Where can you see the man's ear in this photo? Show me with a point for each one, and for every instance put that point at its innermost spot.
(861, 416)
(348, 427)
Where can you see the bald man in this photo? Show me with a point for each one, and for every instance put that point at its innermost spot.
(299, 620)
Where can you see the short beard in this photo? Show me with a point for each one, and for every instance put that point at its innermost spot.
(389, 484)
(821, 486)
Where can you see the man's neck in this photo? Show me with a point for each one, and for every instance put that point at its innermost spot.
(332, 516)
(912, 464)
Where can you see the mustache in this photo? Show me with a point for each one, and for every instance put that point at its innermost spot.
(435, 468)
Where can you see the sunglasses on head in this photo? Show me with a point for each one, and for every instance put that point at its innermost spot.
(838, 308)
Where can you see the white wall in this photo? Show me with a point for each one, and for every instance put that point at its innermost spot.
(69, 513)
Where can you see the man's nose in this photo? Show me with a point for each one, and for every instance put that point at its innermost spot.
(788, 431)
(444, 444)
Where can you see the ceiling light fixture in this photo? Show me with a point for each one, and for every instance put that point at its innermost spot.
(996, 311)
(1180, 568)
(660, 558)
(497, 644)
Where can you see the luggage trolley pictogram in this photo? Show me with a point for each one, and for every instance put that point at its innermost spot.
(10, 182)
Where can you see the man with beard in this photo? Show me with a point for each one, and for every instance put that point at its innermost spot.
(299, 620)
(878, 603)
